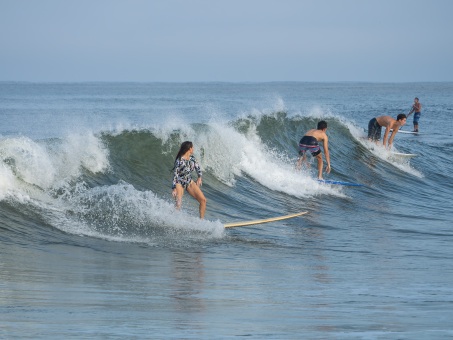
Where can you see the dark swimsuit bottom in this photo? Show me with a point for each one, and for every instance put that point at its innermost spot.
(309, 143)
(374, 130)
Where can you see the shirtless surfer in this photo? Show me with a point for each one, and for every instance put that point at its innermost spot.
(375, 126)
(309, 142)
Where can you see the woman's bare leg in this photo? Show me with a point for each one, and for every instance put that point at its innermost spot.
(195, 191)
(178, 197)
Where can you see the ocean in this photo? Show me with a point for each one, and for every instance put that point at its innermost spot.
(91, 245)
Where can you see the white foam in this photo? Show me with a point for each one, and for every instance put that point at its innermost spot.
(378, 150)
(8, 181)
(48, 164)
(267, 168)
(122, 213)
(29, 161)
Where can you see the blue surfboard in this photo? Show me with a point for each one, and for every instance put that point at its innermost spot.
(327, 181)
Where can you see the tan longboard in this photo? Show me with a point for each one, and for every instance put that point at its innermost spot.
(267, 220)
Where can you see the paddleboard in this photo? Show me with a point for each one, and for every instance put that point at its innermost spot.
(267, 220)
(400, 154)
(327, 181)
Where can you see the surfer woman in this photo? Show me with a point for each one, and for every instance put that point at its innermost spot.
(185, 164)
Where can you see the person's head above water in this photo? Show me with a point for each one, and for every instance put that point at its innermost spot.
(401, 116)
(322, 125)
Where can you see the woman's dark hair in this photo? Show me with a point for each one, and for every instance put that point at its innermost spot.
(185, 146)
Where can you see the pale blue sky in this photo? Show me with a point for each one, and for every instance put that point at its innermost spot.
(226, 40)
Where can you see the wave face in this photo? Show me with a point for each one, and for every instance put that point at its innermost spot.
(116, 184)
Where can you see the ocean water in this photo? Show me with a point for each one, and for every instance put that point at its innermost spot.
(91, 245)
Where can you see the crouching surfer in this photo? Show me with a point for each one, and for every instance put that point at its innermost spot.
(310, 142)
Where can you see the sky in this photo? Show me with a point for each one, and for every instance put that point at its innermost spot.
(226, 40)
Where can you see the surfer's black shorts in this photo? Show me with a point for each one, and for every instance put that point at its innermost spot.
(374, 130)
(309, 143)
(417, 117)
